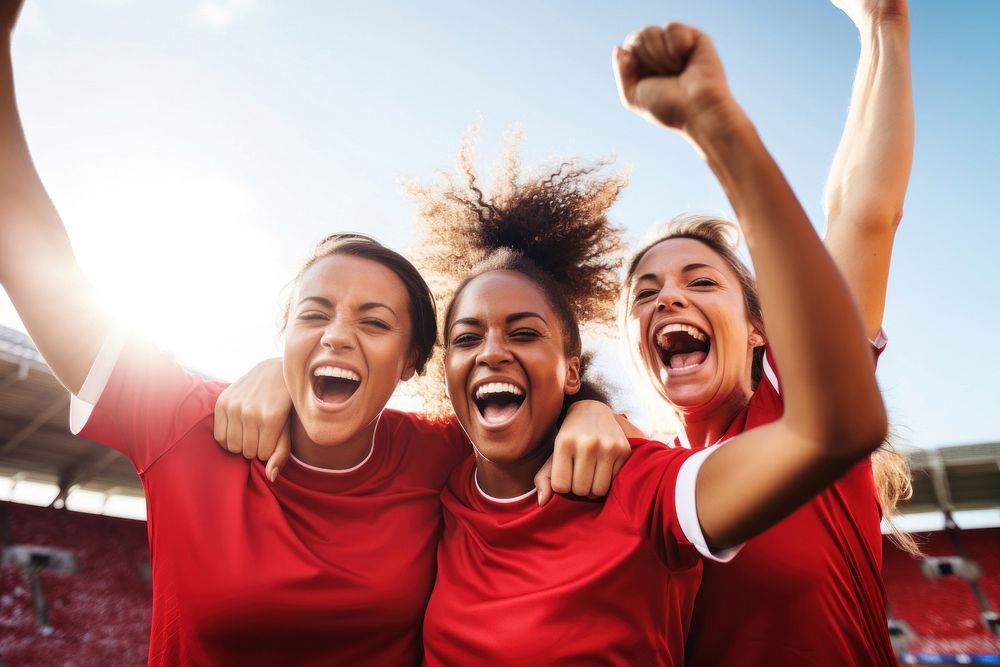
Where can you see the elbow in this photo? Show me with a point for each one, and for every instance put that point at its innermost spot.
(866, 209)
(856, 432)
(873, 219)
(842, 433)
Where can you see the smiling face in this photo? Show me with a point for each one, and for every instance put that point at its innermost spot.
(687, 317)
(506, 365)
(347, 346)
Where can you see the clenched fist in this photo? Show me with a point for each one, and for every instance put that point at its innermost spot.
(672, 76)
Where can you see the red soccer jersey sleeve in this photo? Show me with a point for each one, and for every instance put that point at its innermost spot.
(139, 401)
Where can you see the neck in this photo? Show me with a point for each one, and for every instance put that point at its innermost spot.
(510, 479)
(340, 456)
(706, 427)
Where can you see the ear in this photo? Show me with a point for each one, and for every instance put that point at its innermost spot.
(572, 375)
(410, 369)
(756, 338)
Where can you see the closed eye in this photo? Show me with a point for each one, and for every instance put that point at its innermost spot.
(312, 315)
(465, 339)
(377, 323)
(525, 334)
(644, 294)
(703, 282)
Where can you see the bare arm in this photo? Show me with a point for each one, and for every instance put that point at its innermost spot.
(37, 267)
(871, 169)
(673, 77)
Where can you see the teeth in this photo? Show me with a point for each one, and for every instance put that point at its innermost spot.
(683, 368)
(498, 388)
(686, 328)
(335, 372)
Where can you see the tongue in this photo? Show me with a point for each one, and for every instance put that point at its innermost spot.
(685, 359)
(334, 391)
(496, 413)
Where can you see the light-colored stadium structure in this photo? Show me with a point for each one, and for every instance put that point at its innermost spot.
(75, 589)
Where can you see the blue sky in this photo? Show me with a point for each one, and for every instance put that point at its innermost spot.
(197, 149)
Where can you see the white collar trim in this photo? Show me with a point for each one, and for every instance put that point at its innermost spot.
(502, 501)
(342, 471)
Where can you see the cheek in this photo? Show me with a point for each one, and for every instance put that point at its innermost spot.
(295, 349)
(453, 374)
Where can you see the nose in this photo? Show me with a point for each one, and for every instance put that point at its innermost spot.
(671, 297)
(337, 336)
(494, 351)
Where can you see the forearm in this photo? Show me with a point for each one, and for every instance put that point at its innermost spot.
(813, 325)
(37, 267)
(871, 169)
(27, 215)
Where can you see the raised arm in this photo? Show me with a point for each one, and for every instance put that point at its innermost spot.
(37, 267)
(833, 411)
(871, 169)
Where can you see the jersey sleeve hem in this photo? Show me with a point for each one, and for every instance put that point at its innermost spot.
(81, 405)
(687, 509)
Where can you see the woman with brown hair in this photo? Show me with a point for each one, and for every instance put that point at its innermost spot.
(333, 561)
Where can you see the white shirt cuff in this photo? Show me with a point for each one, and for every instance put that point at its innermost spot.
(82, 405)
(687, 508)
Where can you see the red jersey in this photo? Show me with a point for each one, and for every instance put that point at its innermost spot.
(575, 582)
(319, 568)
(806, 592)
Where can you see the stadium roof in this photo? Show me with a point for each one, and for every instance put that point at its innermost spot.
(35, 444)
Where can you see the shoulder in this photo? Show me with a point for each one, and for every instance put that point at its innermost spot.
(436, 441)
(418, 425)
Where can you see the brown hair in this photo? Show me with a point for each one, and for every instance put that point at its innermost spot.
(889, 469)
(552, 228)
(422, 309)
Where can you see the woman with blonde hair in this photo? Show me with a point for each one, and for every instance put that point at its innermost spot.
(808, 591)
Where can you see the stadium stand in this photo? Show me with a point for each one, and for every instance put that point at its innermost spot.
(74, 587)
(98, 615)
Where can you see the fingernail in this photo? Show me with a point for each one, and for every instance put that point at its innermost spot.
(273, 475)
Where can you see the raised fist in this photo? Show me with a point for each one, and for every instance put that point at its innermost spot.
(672, 76)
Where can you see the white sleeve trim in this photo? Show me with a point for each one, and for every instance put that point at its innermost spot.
(82, 405)
(771, 376)
(880, 340)
(687, 508)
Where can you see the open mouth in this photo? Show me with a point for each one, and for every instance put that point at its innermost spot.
(498, 402)
(334, 385)
(682, 346)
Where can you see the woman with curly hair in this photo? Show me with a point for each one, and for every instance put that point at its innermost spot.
(332, 562)
(579, 582)
(808, 591)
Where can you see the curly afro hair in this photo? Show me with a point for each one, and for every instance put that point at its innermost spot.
(552, 227)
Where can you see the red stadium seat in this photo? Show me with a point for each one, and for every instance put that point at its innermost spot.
(943, 612)
(99, 616)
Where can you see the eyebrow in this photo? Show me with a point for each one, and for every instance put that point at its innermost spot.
(326, 303)
(513, 317)
(687, 269)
